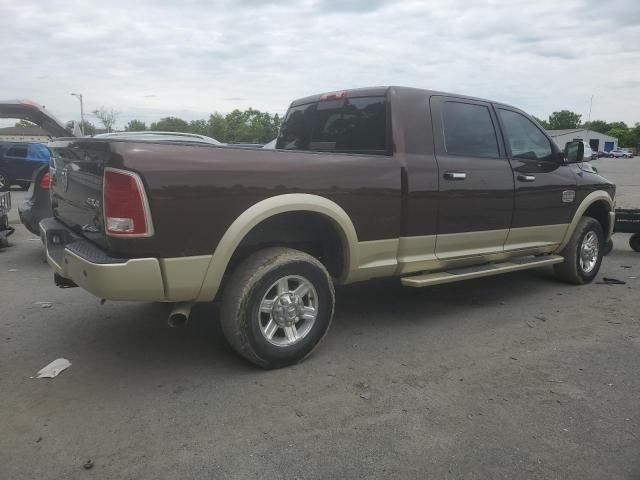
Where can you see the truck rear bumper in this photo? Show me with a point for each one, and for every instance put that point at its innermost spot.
(78, 260)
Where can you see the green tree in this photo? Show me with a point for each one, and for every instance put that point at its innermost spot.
(198, 126)
(88, 128)
(135, 126)
(107, 117)
(543, 123)
(217, 127)
(635, 136)
(25, 123)
(252, 126)
(564, 119)
(599, 126)
(170, 124)
(621, 131)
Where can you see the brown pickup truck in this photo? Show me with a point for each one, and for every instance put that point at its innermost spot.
(425, 186)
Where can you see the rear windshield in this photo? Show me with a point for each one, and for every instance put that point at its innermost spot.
(349, 125)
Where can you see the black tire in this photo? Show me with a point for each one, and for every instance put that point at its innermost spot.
(571, 270)
(5, 181)
(243, 322)
(24, 185)
(634, 242)
(608, 248)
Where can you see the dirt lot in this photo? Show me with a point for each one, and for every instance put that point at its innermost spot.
(514, 376)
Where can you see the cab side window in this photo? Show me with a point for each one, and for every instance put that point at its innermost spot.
(468, 130)
(525, 139)
(349, 125)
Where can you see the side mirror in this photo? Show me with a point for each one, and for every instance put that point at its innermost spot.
(574, 152)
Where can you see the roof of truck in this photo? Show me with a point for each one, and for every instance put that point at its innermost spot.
(383, 90)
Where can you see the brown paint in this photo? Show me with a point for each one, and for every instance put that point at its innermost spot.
(196, 191)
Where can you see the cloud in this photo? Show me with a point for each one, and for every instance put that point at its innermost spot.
(200, 56)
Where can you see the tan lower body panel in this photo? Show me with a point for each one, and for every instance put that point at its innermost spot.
(138, 279)
(381, 258)
(470, 244)
(183, 276)
(531, 237)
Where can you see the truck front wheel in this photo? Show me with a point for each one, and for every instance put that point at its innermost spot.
(277, 307)
(583, 254)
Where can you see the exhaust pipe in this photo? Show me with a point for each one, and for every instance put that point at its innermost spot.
(179, 314)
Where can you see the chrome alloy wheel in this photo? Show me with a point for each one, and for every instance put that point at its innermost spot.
(589, 252)
(288, 311)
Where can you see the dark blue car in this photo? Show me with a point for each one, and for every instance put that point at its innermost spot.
(18, 162)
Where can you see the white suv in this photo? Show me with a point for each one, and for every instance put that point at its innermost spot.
(620, 153)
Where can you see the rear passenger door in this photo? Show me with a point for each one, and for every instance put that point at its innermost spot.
(15, 160)
(476, 189)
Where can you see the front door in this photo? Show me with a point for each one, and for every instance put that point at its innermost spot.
(545, 185)
(476, 188)
(16, 161)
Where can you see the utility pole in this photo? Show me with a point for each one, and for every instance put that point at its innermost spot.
(79, 97)
(589, 118)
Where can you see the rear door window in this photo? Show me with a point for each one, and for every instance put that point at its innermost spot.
(468, 130)
(38, 152)
(17, 151)
(350, 125)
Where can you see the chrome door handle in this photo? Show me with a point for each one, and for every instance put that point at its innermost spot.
(527, 178)
(455, 175)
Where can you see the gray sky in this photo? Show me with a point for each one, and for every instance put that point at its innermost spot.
(152, 59)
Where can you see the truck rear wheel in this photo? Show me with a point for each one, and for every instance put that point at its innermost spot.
(277, 307)
(634, 242)
(583, 254)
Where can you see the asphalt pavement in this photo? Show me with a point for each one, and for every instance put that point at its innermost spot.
(514, 376)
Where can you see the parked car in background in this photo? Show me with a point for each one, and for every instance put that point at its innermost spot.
(5, 229)
(157, 136)
(620, 153)
(38, 203)
(18, 161)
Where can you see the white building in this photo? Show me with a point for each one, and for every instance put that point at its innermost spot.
(599, 142)
(24, 134)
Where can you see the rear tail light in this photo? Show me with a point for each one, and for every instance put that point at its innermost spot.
(45, 181)
(126, 210)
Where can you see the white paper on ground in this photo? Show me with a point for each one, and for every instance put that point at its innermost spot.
(54, 368)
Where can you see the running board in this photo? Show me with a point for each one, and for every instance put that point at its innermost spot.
(467, 273)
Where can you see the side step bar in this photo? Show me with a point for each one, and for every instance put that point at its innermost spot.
(467, 273)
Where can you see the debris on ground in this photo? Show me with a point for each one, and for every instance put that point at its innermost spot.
(12, 270)
(529, 325)
(626, 266)
(88, 464)
(611, 281)
(46, 305)
(54, 368)
(542, 318)
(366, 396)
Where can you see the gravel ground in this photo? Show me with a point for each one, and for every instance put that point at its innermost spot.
(515, 376)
